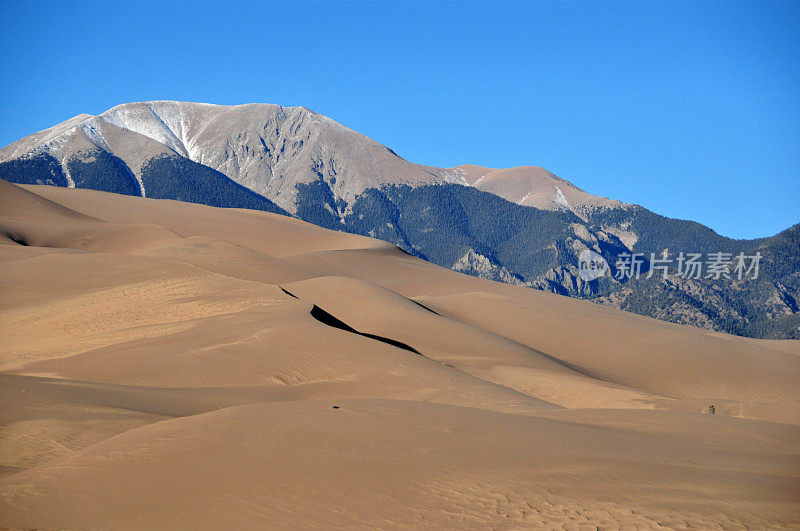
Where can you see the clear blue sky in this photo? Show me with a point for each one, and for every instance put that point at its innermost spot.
(690, 109)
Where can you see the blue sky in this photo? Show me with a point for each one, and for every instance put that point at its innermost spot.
(689, 109)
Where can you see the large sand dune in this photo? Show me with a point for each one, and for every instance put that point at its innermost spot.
(175, 365)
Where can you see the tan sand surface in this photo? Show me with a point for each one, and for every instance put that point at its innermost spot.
(172, 365)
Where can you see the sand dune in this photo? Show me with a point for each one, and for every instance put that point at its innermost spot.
(386, 463)
(175, 365)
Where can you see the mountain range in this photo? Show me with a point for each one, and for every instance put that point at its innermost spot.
(523, 226)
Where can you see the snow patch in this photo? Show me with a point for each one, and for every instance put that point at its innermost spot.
(455, 176)
(480, 179)
(559, 198)
(94, 135)
(56, 144)
(144, 120)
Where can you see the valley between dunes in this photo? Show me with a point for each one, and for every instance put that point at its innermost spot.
(173, 365)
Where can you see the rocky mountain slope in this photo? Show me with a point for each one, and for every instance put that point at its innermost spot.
(291, 160)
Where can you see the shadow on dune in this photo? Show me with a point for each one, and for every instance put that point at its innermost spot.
(325, 318)
(292, 295)
(19, 240)
(424, 307)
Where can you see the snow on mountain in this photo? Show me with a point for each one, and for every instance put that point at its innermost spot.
(559, 199)
(268, 148)
(271, 149)
(166, 127)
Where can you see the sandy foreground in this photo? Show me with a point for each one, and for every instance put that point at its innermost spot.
(165, 364)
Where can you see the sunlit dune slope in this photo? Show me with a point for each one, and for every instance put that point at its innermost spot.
(175, 365)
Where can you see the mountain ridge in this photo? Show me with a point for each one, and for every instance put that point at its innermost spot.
(237, 140)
